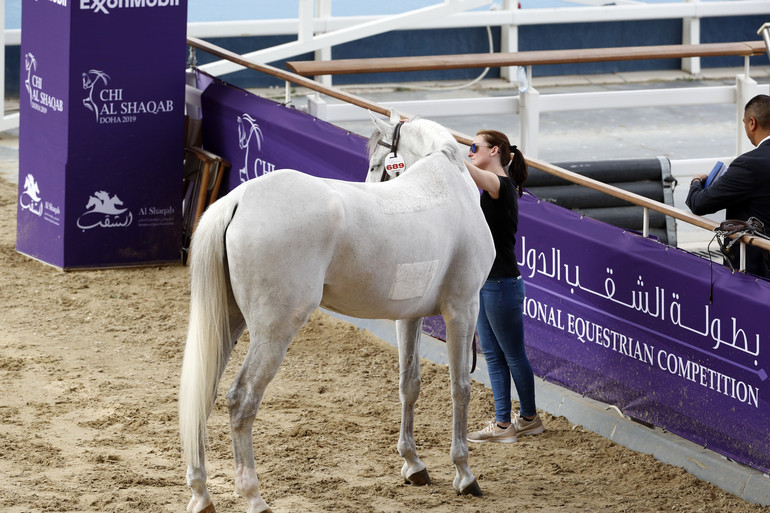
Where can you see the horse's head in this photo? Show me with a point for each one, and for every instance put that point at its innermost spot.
(396, 145)
(94, 75)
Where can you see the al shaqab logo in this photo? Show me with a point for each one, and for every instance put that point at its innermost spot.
(30, 198)
(250, 138)
(103, 210)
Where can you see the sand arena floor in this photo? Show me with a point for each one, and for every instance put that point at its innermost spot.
(89, 370)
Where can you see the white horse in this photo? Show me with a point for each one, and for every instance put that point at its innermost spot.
(275, 248)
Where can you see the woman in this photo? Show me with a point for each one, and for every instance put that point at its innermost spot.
(500, 170)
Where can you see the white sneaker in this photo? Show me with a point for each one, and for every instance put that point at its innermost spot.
(494, 433)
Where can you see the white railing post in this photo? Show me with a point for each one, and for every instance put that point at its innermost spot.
(323, 10)
(317, 106)
(305, 29)
(691, 36)
(2, 59)
(509, 40)
(746, 89)
(7, 121)
(764, 31)
(742, 258)
(529, 116)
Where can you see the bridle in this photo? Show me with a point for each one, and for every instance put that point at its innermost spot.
(393, 147)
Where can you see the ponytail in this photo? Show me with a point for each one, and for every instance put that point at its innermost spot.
(518, 169)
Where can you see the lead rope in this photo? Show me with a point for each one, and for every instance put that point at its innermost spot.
(396, 136)
(473, 345)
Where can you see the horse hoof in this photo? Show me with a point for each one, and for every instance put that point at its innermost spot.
(472, 489)
(420, 478)
(209, 509)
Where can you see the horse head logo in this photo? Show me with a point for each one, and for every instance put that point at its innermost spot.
(30, 65)
(90, 80)
(103, 203)
(30, 199)
(31, 189)
(104, 210)
(248, 133)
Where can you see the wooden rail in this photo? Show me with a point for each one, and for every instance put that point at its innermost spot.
(485, 60)
(631, 197)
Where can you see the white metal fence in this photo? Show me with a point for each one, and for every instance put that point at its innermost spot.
(317, 30)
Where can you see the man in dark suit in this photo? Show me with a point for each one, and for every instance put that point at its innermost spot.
(744, 189)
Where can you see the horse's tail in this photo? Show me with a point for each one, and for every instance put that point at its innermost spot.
(209, 327)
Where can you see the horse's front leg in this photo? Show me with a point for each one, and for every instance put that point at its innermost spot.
(408, 334)
(459, 330)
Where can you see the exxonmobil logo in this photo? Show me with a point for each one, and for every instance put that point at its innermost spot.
(105, 6)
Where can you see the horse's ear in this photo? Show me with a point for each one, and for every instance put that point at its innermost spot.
(395, 117)
(380, 124)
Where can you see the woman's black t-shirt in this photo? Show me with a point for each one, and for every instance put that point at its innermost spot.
(502, 215)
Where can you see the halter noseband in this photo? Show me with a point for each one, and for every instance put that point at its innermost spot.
(394, 147)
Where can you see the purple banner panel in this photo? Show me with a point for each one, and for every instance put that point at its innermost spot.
(101, 136)
(660, 333)
(258, 136)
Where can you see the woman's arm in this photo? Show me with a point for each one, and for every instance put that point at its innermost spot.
(485, 180)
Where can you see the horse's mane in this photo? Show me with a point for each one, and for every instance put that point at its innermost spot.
(452, 151)
(449, 146)
(375, 138)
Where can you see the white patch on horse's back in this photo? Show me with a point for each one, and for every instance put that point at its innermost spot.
(429, 191)
(413, 280)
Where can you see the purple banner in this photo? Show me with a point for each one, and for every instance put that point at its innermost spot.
(655, 331)
(101, 134)
(258, 136)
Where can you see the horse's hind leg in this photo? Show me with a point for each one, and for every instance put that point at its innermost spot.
(196, 480)
(408, 334)
(196, 476)
(269, 342)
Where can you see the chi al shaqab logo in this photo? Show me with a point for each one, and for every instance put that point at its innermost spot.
(250, 138)
(33, 83)
(30, 199)
(103, 210)
(111, 105)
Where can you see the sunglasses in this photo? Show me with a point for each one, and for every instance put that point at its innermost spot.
(475, 147)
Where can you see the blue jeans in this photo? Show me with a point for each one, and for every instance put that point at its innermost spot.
(501, 332)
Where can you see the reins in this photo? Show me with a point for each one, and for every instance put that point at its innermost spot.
(734, 229)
